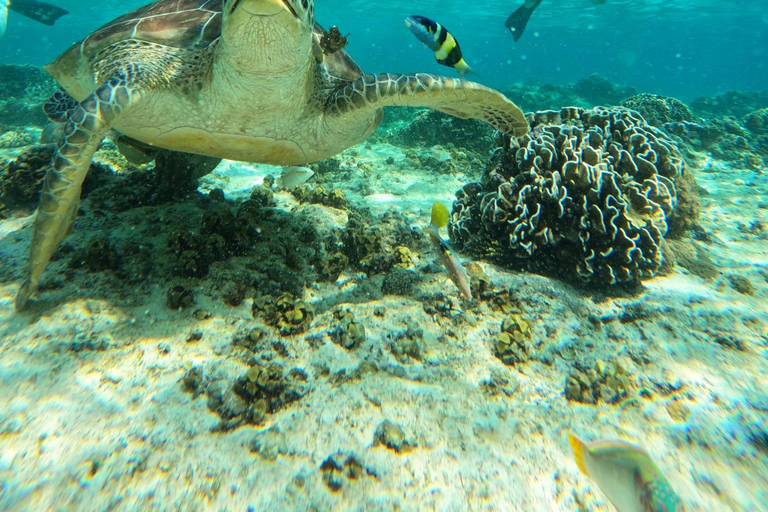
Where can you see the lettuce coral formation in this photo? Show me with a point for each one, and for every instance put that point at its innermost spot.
(587, 193)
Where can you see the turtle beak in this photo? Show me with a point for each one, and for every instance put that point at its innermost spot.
(264, 7)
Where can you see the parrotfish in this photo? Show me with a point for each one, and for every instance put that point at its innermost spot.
(627, 476)
(439, 40)
(519, 19)
(456, 272)
(293, 176)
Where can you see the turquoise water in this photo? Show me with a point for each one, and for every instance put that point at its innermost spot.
(233, 336)
(684, 48)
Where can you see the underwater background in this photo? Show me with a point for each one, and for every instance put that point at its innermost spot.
(233, 336)
(682, 48)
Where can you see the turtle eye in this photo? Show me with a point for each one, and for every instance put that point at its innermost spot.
(305, 3)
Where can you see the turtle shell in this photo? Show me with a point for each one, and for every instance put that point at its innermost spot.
(186, 24)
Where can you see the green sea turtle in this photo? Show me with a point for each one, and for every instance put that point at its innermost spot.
(238, 79)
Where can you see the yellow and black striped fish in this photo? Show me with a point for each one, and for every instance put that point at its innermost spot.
(440, 41)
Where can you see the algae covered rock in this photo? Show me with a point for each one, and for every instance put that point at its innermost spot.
(587, 194)
(287, 313)
(757, 121)
(601, 381)
(21, 179)
(432, 128)
(348, 332)
(392, 436)
(23, 91)
(342, 468)
(511, 344)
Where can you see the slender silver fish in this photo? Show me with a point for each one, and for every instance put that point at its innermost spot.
(455, 271)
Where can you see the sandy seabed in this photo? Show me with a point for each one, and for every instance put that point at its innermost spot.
(109, 426)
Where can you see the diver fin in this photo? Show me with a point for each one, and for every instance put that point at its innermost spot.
(46, 14)
(3, 16)
(519, 19)
(454, 96)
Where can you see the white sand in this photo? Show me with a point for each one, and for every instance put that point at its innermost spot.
(112, 429)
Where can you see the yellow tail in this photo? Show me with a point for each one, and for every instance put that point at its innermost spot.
(440, 215)
(579, 450)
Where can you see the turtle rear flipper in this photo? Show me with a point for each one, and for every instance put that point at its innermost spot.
(58, 106)
(519, 19)
(87, 123)
(38, 11)
(453, 96)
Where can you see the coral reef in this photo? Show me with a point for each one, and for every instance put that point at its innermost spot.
(263, 389)
(597, 90)
(349, 332)
(179, 297)
(23, 90)
(511, 344)
(659, 110)
(378, 245)
(589, 383)
(726, 138)
(318, 194)
(757, 121)
(589, 193)
(18, 138)
(22, 178)
(433, 128)
(732, 103)
(288, 314)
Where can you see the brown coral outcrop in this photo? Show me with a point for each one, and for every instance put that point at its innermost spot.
(587, 193)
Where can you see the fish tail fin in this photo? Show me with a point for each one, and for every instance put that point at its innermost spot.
(38, 11)
(519, 19)
(463, 68)
(439, 216)
(579, 451)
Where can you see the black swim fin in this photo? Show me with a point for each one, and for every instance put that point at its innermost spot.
(38, 11)
(519, 19)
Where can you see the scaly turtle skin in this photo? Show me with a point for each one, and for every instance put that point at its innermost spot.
(238, 79)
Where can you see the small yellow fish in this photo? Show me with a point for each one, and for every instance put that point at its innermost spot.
(626, 474)
(456, 272)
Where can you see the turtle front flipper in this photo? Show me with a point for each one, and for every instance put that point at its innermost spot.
(453, 96)
(86, 124)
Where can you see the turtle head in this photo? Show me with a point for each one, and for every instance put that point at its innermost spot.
(269, 35)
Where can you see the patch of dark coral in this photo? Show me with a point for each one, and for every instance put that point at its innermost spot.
(287, 313)
(659, 110)
(588, 195)
(341, 468)
(376, 245)
(318, 194)
(21, 180)
(433, 128)
(264, 389)
(597, 90)
(98, 255)
(23, 91)
(732, 103)
(598, 381)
